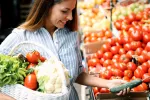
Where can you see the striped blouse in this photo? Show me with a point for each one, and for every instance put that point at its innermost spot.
(64, 44)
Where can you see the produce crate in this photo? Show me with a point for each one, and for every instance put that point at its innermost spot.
(130, 96)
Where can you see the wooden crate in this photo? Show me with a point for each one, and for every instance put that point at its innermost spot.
(130, 96)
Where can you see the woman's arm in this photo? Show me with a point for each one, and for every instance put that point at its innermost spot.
(89, 80)
(5, 97)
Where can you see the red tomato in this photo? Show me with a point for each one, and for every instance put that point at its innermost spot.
(146, 77)
(124, 59)
(95, 90)
(108, 34)
(33, 57)
(142, 87)
(107, 55)
(107, 62)
(138, 73)
(106, 47)
(147, 47)
(122, 51)
(42, 58)
(118, 72)
(31, 81)
(132, 17)
(146, 37)
(138, 51)
(130, 53)
(136, 35)
(114, 49)
(142, 58)
(131, 66)
(100, 54)
(104, 90)
(143, 68)
(93, 62)
(111, 41)
(106, 74)
(128, 73)
(118, 24)
(149, 70)
(126, 78)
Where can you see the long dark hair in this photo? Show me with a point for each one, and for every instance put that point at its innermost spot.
(38, 12)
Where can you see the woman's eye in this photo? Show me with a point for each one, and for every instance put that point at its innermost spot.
(65, 11)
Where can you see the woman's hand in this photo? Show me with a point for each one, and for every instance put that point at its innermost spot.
(116, 82)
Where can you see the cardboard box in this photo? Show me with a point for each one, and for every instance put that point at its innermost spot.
(130, 96)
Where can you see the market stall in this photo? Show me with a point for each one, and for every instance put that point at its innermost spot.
(116, 42)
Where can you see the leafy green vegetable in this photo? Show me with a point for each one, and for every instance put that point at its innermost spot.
(12, 70)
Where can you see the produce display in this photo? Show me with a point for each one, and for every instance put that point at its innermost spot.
(126, 51)
(33, 71)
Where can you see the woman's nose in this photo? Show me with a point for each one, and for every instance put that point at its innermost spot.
(69, 17)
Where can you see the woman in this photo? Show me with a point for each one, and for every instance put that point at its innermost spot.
(53, 23)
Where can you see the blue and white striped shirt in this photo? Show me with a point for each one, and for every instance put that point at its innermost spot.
(64, 44)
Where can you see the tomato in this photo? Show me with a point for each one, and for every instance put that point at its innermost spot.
(139, 16)
(142, 58)
(127, 47)
(108, 34)
(132, 17)
(146, 77)
(124, 59)
(42, 58)
(31, 81)
(144, 68)
(147, 47)
(95, 90)
(142, 87)
(149, 70)
(138, 51)
(146, 37)
(128, 73)
(136, 35)
(93, 39)
(100, 54)
(107, 55)
(118, 24)
(111, 41)
(107, 62)
(93, 62)
(138, 73)
(135, 45)
(87, 40)
(131, 66)
(106, 74)
(122, 51)
(135, 89)
(33, 57)
(126, 78)
(118, 72)
(129, 54)
(104, 90)
(114, 49)
(106, 47)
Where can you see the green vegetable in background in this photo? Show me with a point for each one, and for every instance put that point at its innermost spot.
(12, 70)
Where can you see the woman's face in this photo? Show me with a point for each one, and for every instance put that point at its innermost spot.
(60, 13)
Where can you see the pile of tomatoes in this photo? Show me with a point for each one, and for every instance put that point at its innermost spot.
(33, 58)
(124, 57)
